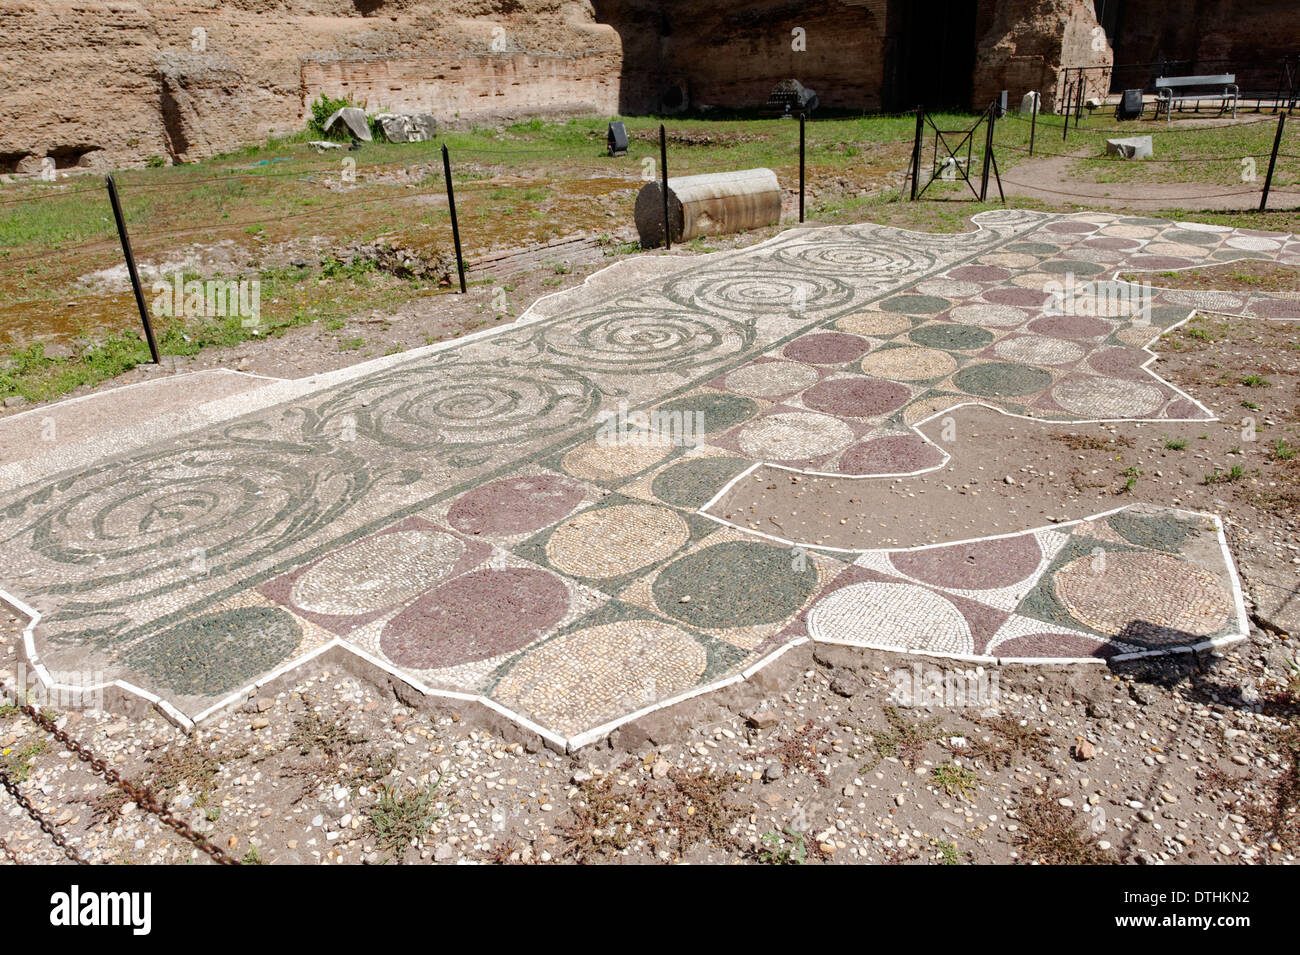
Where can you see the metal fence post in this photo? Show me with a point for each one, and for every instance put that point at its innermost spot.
(130, 267)
(1272, 162)
(455, 226)
(988, 152)
(1033, 125)
(916, 149)
(802, 117)
(663, 173)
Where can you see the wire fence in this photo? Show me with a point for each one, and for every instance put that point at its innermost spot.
(61, 257)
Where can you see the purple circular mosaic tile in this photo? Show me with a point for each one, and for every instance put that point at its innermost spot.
(1159, 262)
(979, 273)
(1075, 228)
(856, 397)
(1012, 295)
(827, 348)
(515, 505)
(1070, 326)
(1113, 243)
(1055, 645)
(895, 454)
(474, 617)
(1122, 362)
(975, 565)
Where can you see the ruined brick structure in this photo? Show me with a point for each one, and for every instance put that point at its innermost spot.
(96, 83)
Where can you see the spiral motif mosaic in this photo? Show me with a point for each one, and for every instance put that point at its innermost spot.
(517, 516)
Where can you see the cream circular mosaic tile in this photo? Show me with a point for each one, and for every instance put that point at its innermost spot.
(377, 573)
(609, 541)
(909, 363)
(595, 674)
(605, 461)
(1143, 596)
(794, 435)
(890, 616)
(874, 323)
(1038, 350)
(771, 379)
(1097, 397)
(996, 316)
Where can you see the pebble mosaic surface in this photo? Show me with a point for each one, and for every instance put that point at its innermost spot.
(462, 517)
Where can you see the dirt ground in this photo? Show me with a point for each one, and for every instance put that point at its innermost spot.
(823, 757)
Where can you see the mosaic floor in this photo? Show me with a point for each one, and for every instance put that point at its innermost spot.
(463, 518)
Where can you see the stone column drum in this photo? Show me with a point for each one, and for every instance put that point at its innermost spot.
(710, 204)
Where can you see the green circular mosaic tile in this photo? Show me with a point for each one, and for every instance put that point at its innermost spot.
(713, 412)
(1142, 220)
(1071, 266)
(691, 483)
(1001, 379)
(1153, 531)
(1191, 237)
(217, 652)
(915, 304)
(737, 584)
(1034, 248)
(952, 336)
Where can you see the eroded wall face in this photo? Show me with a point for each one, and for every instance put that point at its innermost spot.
(1248, 37)
(1026, 44)
(96, 83)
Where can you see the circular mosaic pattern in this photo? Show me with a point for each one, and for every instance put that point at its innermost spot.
(866, 260)
(608, 461)
(1072, 226)
(1055, 646)
(1253, 243)
(771, 379)
(979, 273)
(728, 292)
(517, 505)
(857, 397)
(973, 565)
(1070, 326)
(643, 339)
(950, 337)
(217, 652)
(909, 364)
(948, 288)
(735, 584)
(377, 573)
(1096, 397)
(827, 348)
(1000, 379)
(1075, 267)
(915, 304)
(1020, 297)
(1148, 599)
(794, 436)
(693, 482)
(709, 412)
(893, 454)
(890, 616)
(414, 407)
(998, 316)
(612, 669)
(474, 617)
(611, 541)
(874, 323)
(1037, 350)
(1118, 362)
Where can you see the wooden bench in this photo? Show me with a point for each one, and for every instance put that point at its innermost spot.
(1183, 89)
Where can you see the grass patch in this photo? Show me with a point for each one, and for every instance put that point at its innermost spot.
(401, 818)
(1051, 834)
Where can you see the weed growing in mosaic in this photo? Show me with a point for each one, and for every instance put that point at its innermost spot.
(803, 751)
(955, 780)
(401, 818)
(1051, 834)
(903, 740)
(786, 847)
